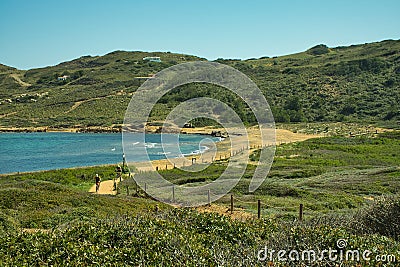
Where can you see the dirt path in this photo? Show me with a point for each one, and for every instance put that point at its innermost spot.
(8, 114)
(18, 80)
(237, 214)
(286, 136)
(78, 103)
(106, 188)
(74, 106)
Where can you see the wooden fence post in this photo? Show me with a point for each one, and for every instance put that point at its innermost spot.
(231, 203)
(301, 213)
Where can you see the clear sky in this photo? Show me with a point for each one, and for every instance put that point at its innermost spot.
(37, 33)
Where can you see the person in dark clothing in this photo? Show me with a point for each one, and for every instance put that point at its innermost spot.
(98, 181)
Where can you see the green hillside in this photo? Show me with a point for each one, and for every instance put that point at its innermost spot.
(356, 83)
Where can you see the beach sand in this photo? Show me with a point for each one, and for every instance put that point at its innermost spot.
(223, 150)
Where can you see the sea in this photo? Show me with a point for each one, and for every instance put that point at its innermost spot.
(25, 152)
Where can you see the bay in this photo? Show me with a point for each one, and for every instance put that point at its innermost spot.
(24, 152)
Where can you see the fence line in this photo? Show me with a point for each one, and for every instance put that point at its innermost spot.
(261, 206)
(199, 159)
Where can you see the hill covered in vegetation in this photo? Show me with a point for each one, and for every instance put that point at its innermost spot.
(356, 83)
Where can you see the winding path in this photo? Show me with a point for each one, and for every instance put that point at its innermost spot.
(78, 103)
(106, 188)
(18, 80)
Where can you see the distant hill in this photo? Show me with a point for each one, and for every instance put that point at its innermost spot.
(4, 68)
(355, 83)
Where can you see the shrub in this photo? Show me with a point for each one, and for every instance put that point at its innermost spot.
(383, 217)
(318, 50)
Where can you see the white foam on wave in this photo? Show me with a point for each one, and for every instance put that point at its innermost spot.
(163, 153)
(150, 145)
(197, 151)
(205, 148)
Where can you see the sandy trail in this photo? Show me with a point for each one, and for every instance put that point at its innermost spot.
(78, 103)
(237, 214)
(18, 80)
(106, 188)
(8, 114)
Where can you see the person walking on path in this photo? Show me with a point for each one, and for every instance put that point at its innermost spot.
(118, 170)
(98, 181)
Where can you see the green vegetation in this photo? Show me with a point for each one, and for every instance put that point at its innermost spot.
(333, 174)
(80, 178)
(178, 238)
(318, 50)
(349, 188)
(51, 198)
(95, 91)
(359, 83)
(349, 84)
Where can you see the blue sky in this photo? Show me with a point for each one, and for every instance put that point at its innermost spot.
(41, 33)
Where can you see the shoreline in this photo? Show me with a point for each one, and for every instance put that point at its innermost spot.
(222, 152)
(217, 132)
(46, 129)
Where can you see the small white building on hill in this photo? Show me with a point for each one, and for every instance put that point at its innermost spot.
(152, 59)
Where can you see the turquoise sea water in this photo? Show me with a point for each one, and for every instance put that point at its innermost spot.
(22, 152)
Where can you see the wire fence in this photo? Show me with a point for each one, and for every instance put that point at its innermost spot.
(208, 157)
(255, 207)
(252, 205)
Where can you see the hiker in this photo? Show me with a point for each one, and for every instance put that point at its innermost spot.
(115, 183)
(123, 160)
(118, 170)
(98, 181)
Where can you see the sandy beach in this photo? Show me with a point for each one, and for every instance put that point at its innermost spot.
(223, 149)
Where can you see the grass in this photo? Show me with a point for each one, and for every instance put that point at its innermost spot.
(46, 205)
(79, 178)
